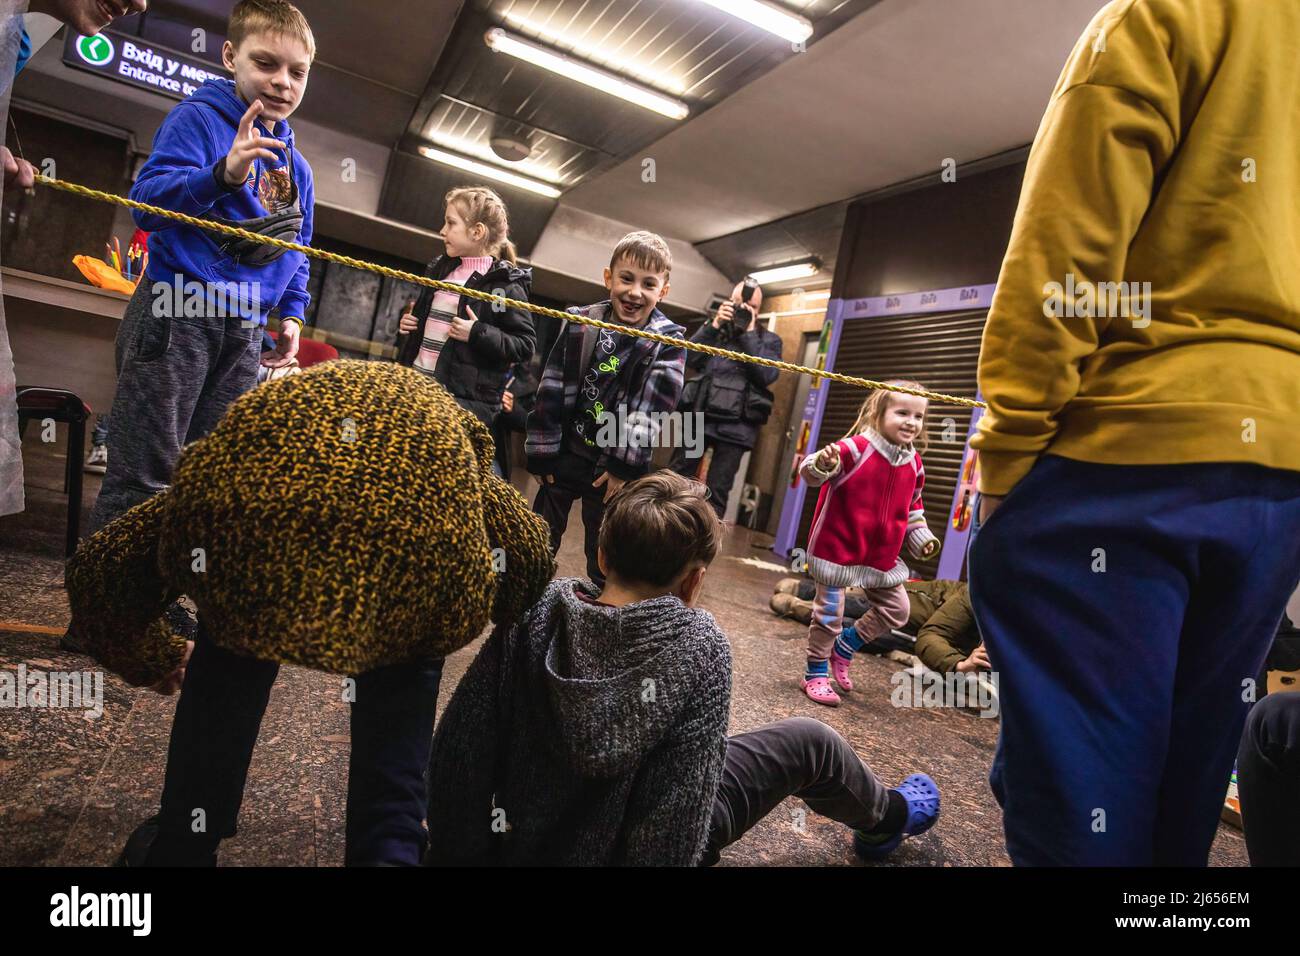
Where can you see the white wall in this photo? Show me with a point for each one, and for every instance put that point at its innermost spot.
(578, 243)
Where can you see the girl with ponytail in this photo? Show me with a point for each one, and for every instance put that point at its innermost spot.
(467, 344)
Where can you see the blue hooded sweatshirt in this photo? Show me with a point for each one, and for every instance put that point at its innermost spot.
(181, 175)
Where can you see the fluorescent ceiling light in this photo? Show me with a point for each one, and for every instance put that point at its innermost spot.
(491, 172)
(502, 42)
(595, 54)
(766, 16)
(527, 168)
(796, 270)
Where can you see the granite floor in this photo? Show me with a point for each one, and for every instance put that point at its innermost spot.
(72, 788)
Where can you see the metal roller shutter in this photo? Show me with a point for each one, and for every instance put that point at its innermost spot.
(941, 352)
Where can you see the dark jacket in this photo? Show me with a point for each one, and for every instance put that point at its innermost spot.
(475, 372)
(650, 385)
(735, 385)
(944, 623)
(584, 735)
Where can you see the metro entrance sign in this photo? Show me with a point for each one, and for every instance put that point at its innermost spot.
(137, 63)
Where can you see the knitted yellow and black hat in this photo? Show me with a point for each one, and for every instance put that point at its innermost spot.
(342, 519)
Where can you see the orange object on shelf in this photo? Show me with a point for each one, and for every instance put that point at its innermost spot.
(100, 274)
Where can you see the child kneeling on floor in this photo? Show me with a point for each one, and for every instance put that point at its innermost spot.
(593, 731)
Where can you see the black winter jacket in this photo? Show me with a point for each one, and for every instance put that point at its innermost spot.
(730, 375)
(475, 372)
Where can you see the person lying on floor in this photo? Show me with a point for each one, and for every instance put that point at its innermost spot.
(345, 519)
(940, 619)
(1268, 762)
(593, 731)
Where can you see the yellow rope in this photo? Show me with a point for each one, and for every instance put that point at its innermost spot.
(361, 264)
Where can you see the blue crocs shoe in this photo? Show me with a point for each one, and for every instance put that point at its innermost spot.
(922, 796)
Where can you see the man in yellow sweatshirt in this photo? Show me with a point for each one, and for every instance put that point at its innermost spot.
(1141, 365)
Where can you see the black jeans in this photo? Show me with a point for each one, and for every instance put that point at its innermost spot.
(722, 469)
(217, 721)
(1268, 781)
(797, 757)
(573, 477)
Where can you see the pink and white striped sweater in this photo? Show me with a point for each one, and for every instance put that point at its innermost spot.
(445, 306)
(869, 506)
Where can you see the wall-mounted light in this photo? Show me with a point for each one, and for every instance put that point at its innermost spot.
(767, 16)
(794, 270)
(489, 171)
(571, 68)
(817, 296)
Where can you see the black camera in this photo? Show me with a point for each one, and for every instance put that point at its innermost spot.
(742, 314)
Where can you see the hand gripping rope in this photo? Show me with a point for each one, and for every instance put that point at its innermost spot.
(361, 264)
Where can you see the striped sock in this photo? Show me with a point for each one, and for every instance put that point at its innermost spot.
(848, 642)
(817, 669)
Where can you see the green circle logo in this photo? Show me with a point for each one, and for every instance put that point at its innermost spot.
(96, 50)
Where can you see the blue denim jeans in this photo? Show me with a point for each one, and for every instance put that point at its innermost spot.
(1125, 608)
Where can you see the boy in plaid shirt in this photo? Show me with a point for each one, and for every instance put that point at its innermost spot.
(596, 384)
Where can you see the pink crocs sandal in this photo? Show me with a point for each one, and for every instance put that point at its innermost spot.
(820, 690)
(840, 671)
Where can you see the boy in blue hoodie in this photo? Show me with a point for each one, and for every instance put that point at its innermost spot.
(190, 341)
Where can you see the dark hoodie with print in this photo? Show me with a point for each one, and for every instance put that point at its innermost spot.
(584, 735)
(183, 174)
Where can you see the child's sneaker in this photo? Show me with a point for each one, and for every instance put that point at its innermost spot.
(819, 689)
(922, 796)
(97, 460)
(840, 671)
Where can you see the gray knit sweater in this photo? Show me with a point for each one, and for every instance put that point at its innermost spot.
(584, 735)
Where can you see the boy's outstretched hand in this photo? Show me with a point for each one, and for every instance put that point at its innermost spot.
(460, 328)
(408, 322)
(286, 345)
(19, 174)
(612, 484)
(173, 681)
(249, 145)
(977, 661)
(988, 505)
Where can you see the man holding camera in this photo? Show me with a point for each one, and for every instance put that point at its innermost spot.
(732, 395)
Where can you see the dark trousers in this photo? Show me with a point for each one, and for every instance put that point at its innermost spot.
(176, 376)
(1124, 607)
(1268, 781)
(573, 477)
(722, 469)
(797, 757)
(504, 425)
(216, 725)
